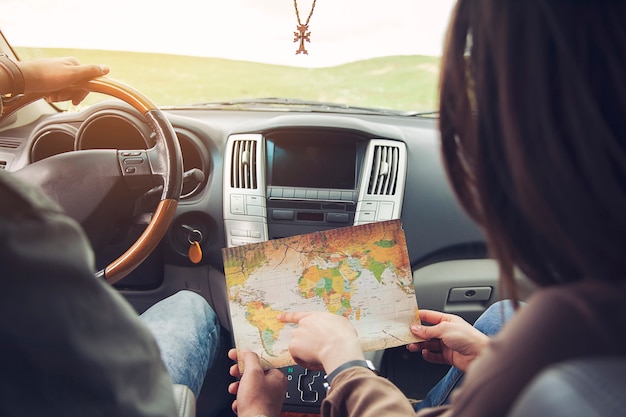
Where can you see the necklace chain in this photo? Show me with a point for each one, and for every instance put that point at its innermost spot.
(295, 5)
(302, 35)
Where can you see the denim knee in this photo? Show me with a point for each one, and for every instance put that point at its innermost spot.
(187, 331)
(491, 320)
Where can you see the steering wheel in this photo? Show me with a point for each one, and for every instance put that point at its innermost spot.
(93, 185)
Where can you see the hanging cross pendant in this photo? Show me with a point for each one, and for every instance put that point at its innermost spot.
(300, 36)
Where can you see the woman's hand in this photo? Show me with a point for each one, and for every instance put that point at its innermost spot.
(322, 341)
(52, 76)
(450, 340)
(259, 392)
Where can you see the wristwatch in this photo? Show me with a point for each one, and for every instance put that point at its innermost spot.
(328, 379)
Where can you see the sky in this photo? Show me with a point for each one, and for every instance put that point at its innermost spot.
(253, 30)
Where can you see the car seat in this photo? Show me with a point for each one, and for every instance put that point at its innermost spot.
(591, 387)
(185, 401)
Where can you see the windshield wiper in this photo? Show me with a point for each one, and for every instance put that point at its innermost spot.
(427, 114)
(291, 104)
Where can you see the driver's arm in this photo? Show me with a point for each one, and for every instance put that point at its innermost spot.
(47, 76)
(73, 346)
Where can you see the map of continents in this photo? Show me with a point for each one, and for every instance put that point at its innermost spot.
(361, 272)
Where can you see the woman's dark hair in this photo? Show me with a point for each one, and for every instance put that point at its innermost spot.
(533, 129)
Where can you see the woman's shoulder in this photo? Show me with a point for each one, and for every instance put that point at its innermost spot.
(558, 318)
(590, 297)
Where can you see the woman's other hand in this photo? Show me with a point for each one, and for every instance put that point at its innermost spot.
(450, 340)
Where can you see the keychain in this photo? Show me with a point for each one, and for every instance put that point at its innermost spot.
(194, 238)
(195, 252)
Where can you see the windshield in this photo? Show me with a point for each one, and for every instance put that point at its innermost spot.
(360, 53)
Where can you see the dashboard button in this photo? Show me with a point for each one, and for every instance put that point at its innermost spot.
(236, 204)
(338, 217)
(347, 195)
(385, 211)
(282, 214)
(255, 210)
(254, 200)
(369, 205)
(367, 216)
(312, 194)
(276, 192)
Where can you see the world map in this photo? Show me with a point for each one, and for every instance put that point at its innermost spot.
(361, 272)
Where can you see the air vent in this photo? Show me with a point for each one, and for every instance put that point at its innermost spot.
(243, 165)
(384, 175)
(9, 143)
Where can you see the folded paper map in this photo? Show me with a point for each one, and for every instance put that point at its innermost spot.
(360, 272)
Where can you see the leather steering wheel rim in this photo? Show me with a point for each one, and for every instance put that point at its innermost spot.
(167, 142)
(169, 159)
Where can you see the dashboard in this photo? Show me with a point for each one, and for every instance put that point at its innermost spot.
(257, 175)
(254, 175)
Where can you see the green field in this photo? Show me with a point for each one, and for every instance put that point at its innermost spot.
(396, 82)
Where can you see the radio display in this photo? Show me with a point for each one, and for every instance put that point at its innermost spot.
(306, 161)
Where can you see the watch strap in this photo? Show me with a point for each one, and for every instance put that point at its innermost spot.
(350, 364)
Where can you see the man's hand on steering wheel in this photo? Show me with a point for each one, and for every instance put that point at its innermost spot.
(51, 77)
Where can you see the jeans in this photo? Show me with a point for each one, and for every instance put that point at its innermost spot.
(489, 323)
(187, 331)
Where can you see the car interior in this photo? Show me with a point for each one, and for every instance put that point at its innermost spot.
(249, 177)
(161, 190)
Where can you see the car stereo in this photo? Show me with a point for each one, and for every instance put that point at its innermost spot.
(294, 181)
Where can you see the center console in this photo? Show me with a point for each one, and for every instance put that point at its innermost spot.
(295, 181)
